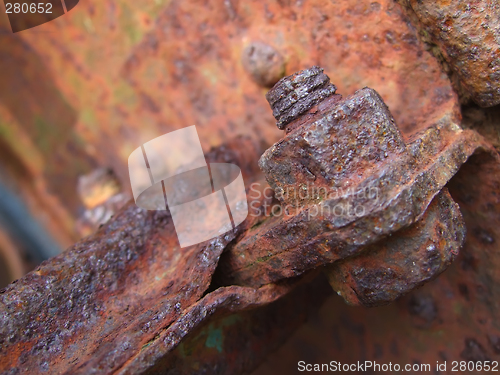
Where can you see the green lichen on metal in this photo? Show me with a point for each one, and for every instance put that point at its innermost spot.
(46, 137)
(6, 132)
(123, 93)
(215, 334)
(215, 338)
(88, 117)
(130, 24)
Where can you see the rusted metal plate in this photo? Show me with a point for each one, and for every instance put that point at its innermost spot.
(236, 343)
(358, 44)
(96, 305)
(104, 298)
(123, 299)
(120, 73)
(467, 38)
(221, 302)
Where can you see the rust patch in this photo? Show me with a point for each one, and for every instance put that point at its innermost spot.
(124, 298)
(466, 35)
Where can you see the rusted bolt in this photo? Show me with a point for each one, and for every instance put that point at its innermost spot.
(405, 260)
(264, 63)
(299, 93)
(347, 180)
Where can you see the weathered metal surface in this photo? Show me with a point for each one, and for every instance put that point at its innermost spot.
(221, 301)
(404, 261)
(484, 121)
(119, 73)
(96, 305)
(99, 301)
(452, 318)
(123, 299)
(467, 37)
(295, 95)
(236, 343)
(264, 63)
(346, 180)
(81, 54)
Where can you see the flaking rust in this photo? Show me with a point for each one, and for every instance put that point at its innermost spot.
(123, 300)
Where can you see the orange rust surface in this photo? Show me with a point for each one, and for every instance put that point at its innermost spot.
(467, 37)
(84, 90)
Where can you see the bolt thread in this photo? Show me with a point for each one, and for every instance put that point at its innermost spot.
(296, 94)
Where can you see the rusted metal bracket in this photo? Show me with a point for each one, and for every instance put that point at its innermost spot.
(121, 300)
